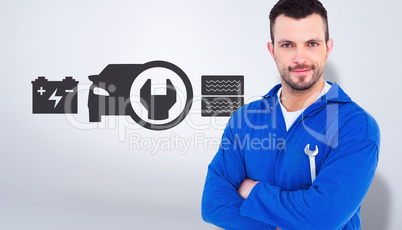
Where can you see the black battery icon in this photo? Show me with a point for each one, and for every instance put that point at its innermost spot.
(54, 96)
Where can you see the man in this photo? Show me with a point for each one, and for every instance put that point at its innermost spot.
(302, 157)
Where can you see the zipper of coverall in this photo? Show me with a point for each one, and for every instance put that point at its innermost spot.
(293, 127)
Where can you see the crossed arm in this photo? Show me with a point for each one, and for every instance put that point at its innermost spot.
(232, 201)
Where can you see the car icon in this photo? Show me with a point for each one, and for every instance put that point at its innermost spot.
(110, 90)
(109, 93)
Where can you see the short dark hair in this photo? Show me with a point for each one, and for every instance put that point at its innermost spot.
(298, 9)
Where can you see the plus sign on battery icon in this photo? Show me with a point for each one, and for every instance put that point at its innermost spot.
(54, 96)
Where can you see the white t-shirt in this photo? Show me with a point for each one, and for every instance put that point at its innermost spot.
(290, 117)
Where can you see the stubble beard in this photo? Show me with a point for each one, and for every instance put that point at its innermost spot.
(301, 86)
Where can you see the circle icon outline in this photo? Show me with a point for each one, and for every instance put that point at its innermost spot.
(189, 97)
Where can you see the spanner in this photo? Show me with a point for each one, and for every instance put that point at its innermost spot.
(158, 105)
(311, 155)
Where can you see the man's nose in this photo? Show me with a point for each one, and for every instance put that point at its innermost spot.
(300, 56)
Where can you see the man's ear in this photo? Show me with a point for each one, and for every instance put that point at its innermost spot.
(271, 49)
(330, 45)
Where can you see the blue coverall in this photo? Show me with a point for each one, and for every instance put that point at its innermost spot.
(256, 145)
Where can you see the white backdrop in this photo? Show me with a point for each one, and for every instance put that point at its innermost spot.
(59, 172)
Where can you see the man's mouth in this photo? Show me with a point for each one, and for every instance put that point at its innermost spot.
(301, 71)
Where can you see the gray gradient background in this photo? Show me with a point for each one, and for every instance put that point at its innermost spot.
(58, 173)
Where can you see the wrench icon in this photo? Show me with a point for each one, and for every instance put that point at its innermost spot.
(158, 105)
(311, 155)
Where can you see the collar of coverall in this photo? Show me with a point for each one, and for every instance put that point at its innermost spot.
(335, 94)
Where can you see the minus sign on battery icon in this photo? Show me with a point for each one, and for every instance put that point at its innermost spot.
(69, 91)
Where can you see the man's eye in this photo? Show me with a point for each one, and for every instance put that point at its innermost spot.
(286, 45)
(313, 44)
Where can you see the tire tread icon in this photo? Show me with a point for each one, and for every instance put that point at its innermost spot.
(223, 95)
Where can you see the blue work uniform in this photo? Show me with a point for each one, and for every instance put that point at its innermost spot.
(256, 145)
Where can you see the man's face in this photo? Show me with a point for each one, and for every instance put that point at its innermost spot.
(300, 50)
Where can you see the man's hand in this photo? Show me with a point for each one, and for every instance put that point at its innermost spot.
(246, 186)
